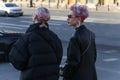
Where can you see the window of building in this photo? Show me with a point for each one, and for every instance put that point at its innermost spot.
(91, 1)
(78, 0)
(62, 1)
(43, 0)
(52, 0)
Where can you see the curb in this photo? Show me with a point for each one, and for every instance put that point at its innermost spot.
(89, 9)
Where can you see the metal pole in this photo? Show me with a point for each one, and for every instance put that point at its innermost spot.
(86, 1)
(49, 3)
(66, 4)
(58, 4)
(96, 7)
(108, 7)
(100, 2)
(117, 4)
(75, 1)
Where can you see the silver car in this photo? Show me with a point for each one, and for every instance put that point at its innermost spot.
(10, 9)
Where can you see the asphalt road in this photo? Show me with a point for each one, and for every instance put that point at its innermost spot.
(106, 26)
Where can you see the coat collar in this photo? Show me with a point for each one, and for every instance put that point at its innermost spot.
(80, 27)
(35, 27)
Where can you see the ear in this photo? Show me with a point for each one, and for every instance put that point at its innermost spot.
(80, 19)
(34, 18)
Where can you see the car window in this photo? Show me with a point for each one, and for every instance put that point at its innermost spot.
(11, 5)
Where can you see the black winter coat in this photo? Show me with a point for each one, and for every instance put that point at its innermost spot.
(37, 54)
(80, 65)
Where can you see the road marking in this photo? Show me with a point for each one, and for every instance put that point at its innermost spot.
(7, 26)
(10, 24)
(65, 29)
(54, 24)
(101, 68)
(60, 22)
(89, 19)
(110, 59)
(111, 51)
(58, 17)
(64, 57)
(11, 31)
(30, 22)
(49, 22)
(108, 70)
(6, 18)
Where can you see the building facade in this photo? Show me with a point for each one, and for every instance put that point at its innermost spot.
(62, 3)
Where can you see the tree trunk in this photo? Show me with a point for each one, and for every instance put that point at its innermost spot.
(31, 3)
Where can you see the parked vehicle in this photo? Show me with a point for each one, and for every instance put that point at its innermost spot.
(6, 42)
(10, 9)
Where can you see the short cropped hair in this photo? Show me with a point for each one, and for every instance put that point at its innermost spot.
(42, 13)
(80, 11)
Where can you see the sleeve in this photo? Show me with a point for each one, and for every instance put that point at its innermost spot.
(18, 55)
(59, 51)
(73, 58)
(29, 28)
(95, 57)
(73, 52)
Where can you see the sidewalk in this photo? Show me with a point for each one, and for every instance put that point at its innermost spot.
(107, 8)
(111, 8)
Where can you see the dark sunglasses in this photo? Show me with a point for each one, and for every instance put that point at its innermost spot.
(69, 16)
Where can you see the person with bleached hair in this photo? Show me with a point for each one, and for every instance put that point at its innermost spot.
(38, 53)
(81, 51)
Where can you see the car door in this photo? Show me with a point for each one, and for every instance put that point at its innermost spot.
(6, 42)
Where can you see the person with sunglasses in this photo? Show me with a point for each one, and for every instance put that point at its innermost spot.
(81, 51)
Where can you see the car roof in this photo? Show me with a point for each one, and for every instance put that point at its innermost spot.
(7, 3)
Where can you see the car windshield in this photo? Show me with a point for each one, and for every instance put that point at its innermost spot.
(10, 5)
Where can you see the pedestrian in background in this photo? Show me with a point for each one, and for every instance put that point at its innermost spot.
(38, 53)
(81, 52)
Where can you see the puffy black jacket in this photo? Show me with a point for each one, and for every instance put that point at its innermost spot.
(80, 65)
(37, 54)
